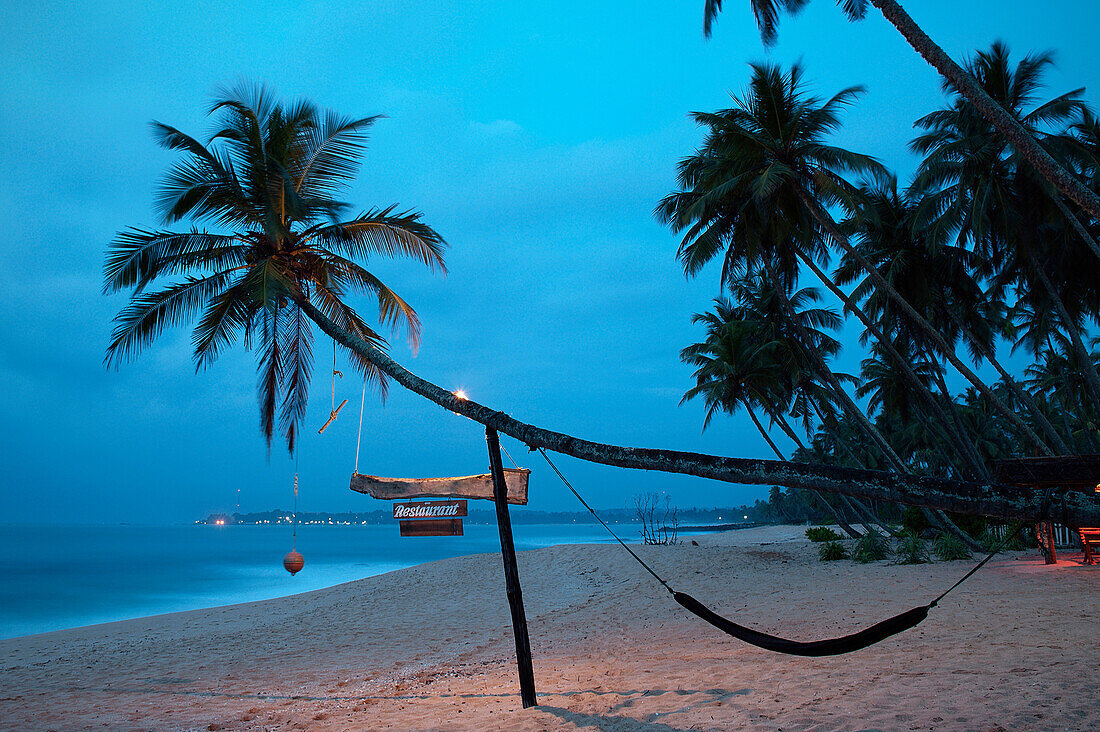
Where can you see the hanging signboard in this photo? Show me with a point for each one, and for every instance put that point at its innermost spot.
(432, 527)
(429, 510)
(430, 518)
(467, 486)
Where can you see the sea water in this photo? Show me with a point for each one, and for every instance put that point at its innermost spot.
(59, 577)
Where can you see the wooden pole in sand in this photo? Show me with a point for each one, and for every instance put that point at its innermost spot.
(511, 573)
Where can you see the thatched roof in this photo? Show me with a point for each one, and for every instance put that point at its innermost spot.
(1075, 472)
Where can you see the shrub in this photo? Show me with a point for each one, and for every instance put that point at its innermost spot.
(821, 533)
(831, 551)
(911, 549)
(914, 520)
(947, 548)
(871, 547)
(973, 525)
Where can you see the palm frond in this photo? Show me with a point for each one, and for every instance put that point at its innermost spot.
(380, 231)
(149, 313)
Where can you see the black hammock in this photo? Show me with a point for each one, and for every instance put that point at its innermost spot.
(828, 647)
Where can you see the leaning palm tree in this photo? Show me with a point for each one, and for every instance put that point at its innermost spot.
(994, 200)
(254, 177)
(759, 188)
(267, 178)
(767, 12)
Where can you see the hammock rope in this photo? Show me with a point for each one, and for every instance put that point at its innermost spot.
(829, 647)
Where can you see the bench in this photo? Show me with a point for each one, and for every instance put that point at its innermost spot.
(1091, 540)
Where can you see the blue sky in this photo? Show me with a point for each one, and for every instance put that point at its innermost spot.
(536, 137)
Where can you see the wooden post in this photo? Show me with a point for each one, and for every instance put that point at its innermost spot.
(511, 573)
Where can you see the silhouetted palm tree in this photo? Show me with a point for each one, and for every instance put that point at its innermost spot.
(758, 188)
(268, 180)
(984, 190)
(1062, 178)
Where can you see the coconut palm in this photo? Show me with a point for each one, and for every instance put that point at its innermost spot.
(993, 198)
(1060, 176)
(759, 187)
(268, 178)
(240, 183)
(749, 359)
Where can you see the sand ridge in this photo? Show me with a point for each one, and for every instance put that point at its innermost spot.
(430, 648)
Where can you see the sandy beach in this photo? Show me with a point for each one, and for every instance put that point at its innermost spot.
(430, 648)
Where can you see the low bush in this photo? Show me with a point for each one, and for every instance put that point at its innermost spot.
(821, 533)
(947, 547)
(911, 549)
(871, 547)
(831, 551)
(914, 520)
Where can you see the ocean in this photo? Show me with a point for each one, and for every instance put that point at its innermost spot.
(66, 576)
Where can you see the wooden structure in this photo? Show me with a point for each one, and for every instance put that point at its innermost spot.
(502, 486)
(430, 518)
(431, 527)
(467, 486)
(1063, 473)
(1091, 539)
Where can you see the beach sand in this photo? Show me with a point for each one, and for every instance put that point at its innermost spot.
(430, 648)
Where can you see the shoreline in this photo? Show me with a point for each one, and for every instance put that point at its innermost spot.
(154, 570)
(430, 648)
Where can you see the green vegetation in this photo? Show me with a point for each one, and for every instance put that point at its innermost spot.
(977, 255)
(871, 547)
(831, 551)
(821, 533)
(911, 549)
(269, 176)
(991, 247)
(947, 548)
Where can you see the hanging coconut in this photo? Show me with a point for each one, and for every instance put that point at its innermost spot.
(293, 562)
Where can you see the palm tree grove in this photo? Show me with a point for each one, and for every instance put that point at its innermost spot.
(552, 365)
(951, 280)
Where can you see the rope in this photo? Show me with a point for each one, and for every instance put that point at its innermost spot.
(827, 647)
(514, 463)
(294, 520)
(593, 512)
(359, 439)
(1009, 536)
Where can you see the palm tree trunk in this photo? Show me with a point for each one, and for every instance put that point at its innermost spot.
(763, 432)
(978, 499)
(846, 402)
(1087, 368)
(829, 226)
(953, 411)
(1075, 222)
(960, 442)
(1017, 391)
(861, 509)
(836, 516)
(998, 116)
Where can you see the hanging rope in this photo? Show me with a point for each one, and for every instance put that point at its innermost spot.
(593, 512)
(335, 409)
(829, 647)
(294, 520)
(359, 439)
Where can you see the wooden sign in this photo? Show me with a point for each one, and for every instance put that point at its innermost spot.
(429, 510)
(467, 486)
(431, 527)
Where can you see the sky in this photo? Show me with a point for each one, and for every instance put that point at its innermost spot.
(536, 137)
